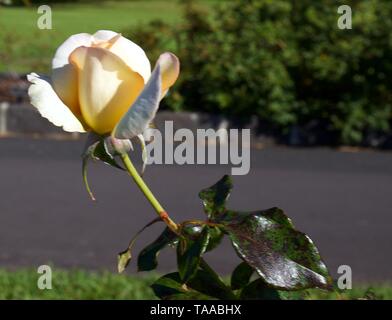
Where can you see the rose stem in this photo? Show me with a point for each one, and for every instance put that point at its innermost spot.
(147, 192)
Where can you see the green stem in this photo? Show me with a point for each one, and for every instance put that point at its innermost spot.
(147, 192)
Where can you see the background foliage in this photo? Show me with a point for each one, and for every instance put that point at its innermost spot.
(283, 62)
(286, 62)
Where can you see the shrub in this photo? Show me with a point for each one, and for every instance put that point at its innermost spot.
(285, 61)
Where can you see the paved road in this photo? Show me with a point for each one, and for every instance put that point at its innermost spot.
(342, 200)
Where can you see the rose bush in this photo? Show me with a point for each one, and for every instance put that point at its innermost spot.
(102, 83)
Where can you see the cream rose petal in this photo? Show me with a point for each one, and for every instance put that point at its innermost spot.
(64, 76)
(141, 113)
(49, 105)
(133, 55)
(61, 56)
(107, 86)
(104, 35)
(65, 84)
(68, 46)
(170, 69)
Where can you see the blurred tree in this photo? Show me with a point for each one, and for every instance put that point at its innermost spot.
(287, 62)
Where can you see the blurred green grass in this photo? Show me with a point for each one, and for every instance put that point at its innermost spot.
(25, 48)
(80, 284)
(75, 284)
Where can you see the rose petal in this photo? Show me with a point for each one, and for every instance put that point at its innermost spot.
(64, 77)
(62, 54)
(140, 114)
(65, 84)
(49, 105)
(170, 69)
(107, 87)
(133, 56)
(104, 35)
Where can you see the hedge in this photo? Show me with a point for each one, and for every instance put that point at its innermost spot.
(286, 62)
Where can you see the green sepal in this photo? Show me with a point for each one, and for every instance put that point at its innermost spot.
(97, 150)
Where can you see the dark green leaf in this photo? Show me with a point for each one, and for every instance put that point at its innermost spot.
(258, 290)
(241, 276)
(214, 197)
(194, 231)
(169, 287)
(216, 236)
(207, 282)
(189, 252)
(147, 259)
(284, 257)
(125, 256)
(201, 287)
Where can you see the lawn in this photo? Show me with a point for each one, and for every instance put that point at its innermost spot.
(78, 284)
(75, 284)
(24, 47)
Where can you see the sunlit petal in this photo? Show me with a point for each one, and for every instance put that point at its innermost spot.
(65, 84)
(141, 113)
(133, 55)
(62, 54)
(49, 105)
(170, 69)
(107, 87)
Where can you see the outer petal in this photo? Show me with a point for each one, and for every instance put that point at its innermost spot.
(64, 76)
(62, 54)
(141, 113)
(170, 69)
(133, 55)
(65, 83)
(49, 105)
(104, 35)
(107, 87)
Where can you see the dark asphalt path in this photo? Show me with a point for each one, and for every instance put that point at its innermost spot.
(342, 200)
